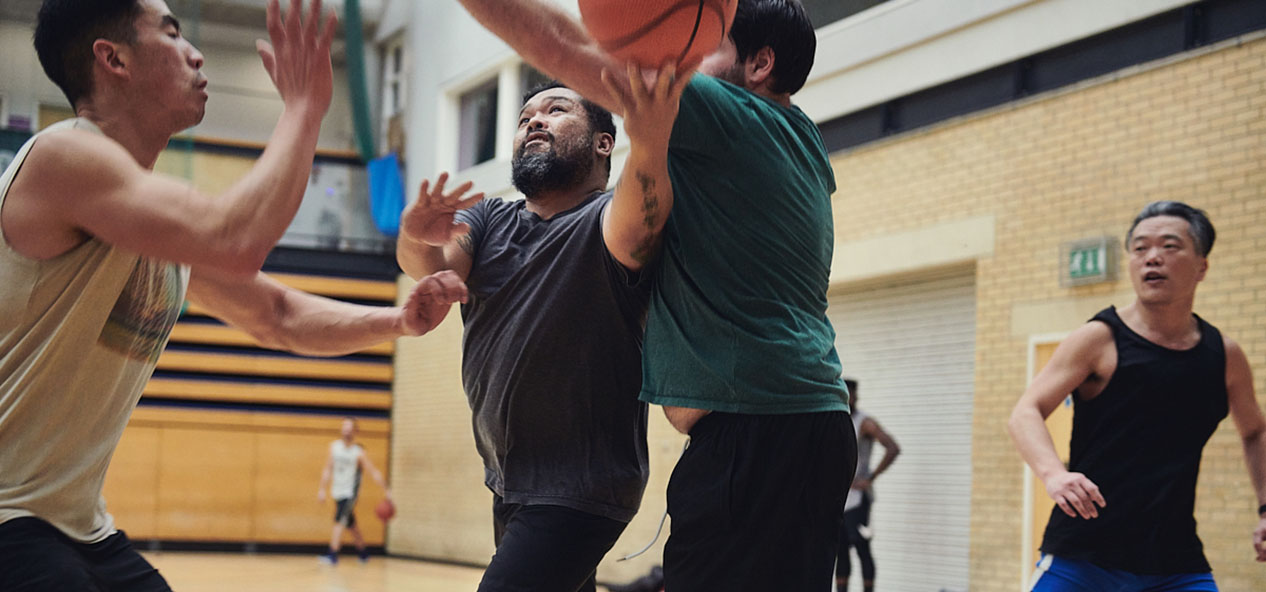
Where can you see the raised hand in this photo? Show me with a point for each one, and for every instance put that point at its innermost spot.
(430, 300)
(429, 219)
(1075, 491)
(298, 58)
(649, 107)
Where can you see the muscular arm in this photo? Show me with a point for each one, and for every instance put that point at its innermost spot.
(79, 182)
(1251, 425)
(280, 317)
(552, 40)
(633, 223)
(1072, 364)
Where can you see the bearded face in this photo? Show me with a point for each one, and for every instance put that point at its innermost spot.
(547, 162)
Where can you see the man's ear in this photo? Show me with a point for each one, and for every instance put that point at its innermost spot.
(604, 143)
(110, 56)
(759, 68)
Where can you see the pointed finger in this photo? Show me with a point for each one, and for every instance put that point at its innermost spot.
(327, 34)
(617, 93)
(636, 84)
(456, 193)
(667, 76)
(470, 201)
(439, 184)
(1096, 495)
(312, 23)
(294, 18)
(1063, 505)
(266, 55)
(272, 20)
(680, 81)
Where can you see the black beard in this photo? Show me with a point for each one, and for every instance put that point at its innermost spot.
(537, 172)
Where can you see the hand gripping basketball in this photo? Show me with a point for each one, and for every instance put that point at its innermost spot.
(652, 33)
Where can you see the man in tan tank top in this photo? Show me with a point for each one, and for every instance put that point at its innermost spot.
(96, 254)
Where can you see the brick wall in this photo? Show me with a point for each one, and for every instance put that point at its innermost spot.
(1075, 164)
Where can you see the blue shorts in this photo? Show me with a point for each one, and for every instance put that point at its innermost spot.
(1055, 574)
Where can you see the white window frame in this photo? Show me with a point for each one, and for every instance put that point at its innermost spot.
(394, 72)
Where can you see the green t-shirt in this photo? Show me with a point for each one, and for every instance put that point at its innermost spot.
(737, 320)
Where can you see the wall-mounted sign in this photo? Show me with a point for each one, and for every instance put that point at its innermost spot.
(1088, 261)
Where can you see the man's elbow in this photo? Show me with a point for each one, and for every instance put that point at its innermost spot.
(1016, 423)
(1255, 436)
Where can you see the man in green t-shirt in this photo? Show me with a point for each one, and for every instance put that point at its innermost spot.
(738, 348)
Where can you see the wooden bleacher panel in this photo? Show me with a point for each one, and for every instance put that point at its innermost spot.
(264, 393)
(206, 353)
(281, 365)
(229, 440)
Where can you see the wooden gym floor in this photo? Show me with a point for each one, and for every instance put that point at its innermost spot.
(234, 572)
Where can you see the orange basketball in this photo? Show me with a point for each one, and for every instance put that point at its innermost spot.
(385, 510)
(654, 32)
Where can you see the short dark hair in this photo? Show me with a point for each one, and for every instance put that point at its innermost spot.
(1201, 229)
(65, 31)
(783, 26)
(599, 118)
(851, 384)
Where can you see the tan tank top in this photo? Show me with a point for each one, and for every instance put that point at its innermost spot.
(79, 336)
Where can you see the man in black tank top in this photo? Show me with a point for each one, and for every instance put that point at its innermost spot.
(1150, 383)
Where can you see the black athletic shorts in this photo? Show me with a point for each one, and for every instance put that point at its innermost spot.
(35, 557)
(756, 503)
(543, 548)
(343, 511)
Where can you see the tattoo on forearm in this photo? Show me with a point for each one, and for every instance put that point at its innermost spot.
(650, 213)
(466, 244)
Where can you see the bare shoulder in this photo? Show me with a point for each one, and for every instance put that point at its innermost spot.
(1238, 371)
(1232, 348)
(74, 164)
(1089, 339)
(73, 154)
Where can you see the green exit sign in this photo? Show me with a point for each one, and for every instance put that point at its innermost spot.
(1089, 261)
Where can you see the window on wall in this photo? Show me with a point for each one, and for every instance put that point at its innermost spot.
(393, 79)
(477, 135)
(530, 78)
(394, 96)
(825, 12)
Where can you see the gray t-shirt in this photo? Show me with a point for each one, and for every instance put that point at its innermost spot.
(552, 359)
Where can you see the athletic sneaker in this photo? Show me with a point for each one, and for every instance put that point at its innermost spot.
(364, 556)
(328, 558)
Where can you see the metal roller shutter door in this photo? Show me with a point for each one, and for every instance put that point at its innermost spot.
(912, 348)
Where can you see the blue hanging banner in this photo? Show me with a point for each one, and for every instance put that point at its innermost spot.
(386, 193)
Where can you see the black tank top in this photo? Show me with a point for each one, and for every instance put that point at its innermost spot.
(1140, 441)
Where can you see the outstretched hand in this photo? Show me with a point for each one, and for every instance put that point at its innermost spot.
(298, 58)
(1075, 491)
(430, 218)
(430, 300)
(649, 107)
